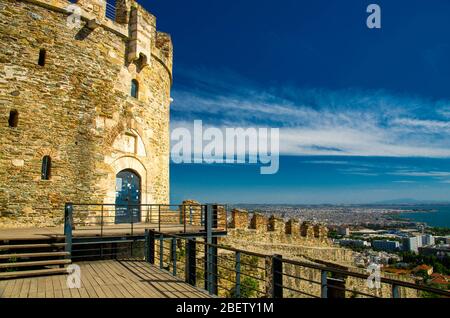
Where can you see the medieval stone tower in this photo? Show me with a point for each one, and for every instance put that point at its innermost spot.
(83, 106)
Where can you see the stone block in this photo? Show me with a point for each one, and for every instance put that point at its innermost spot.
(239, 219)
(259, 222)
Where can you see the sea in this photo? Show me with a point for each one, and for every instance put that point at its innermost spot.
(435, 215)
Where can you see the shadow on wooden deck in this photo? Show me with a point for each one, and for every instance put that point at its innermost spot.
(105, 279)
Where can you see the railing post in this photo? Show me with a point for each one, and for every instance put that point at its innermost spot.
(101, 223)
(184, 217)
(132, 217)
(215, 216)
(395, 291)
(277, 276)
(68, 227)
(336, 287)
(324, 284)
(173, 251)
(210, 254)
(159, 218)
(237, 291)
(161, 251)
(209, 223)
(150, 246)
(190, 263)
(215, 268)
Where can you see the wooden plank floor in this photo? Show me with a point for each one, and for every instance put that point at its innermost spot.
(104, 279)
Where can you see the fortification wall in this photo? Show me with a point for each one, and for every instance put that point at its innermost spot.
(275, 230)
(302, 241)
(77, 108)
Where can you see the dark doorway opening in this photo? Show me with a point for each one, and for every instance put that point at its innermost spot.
(128, 197)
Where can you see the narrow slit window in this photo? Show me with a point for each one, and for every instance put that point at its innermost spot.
(42, 57)
(134, 88)
(46, 168)
(13, 120)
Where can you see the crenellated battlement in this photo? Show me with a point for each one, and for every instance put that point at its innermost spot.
(127, 19)
(241, 220)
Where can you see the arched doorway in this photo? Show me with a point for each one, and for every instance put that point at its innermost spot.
(128, 197)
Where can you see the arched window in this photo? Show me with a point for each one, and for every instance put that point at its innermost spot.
(13, 120)
(46, 168)
(134, 88)
(42, 57)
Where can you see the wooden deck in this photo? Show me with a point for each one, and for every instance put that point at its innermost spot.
(104, 279)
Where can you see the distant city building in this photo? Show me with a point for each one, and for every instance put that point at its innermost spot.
(345, 231)
(411, 244)
(385, 245)
(354, 243)
(419, 240)
(428, 240)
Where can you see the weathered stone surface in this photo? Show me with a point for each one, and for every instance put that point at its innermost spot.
(192, 212)
(307, 230)
(78, 110)
(276, 225)
(239, 219)
(293, 227)
(304, 242)
(259, 222)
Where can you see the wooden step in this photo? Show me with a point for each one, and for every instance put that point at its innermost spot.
(37, 263)
(25, 246)
(8, 240)
(40, 272)
(34, 255)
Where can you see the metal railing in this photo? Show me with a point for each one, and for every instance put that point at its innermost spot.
(233, 273)
(101, 220)
(198, 259)
(99, 231)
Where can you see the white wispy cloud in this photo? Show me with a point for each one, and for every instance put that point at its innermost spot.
(433, 174)
(315, 121)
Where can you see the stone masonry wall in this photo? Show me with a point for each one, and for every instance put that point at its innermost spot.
(77, 109)
(304, 242)
(275, 229)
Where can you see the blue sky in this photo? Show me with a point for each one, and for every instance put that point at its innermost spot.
(364, 114)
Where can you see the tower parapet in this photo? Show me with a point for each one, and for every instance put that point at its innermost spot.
(307, 230)
(128, 19)
(276, 224)
(276, 227)
(293, 227)
(239, 219)
(258, 222)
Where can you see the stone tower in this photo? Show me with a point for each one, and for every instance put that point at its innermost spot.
(80, 104)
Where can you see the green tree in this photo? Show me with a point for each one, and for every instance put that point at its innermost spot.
(248, 288)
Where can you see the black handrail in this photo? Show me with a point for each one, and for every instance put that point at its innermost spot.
(324, 269)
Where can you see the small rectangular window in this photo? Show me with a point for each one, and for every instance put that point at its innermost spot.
(42, 57)
(13, 120)
(46, 168)
(134, 88)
